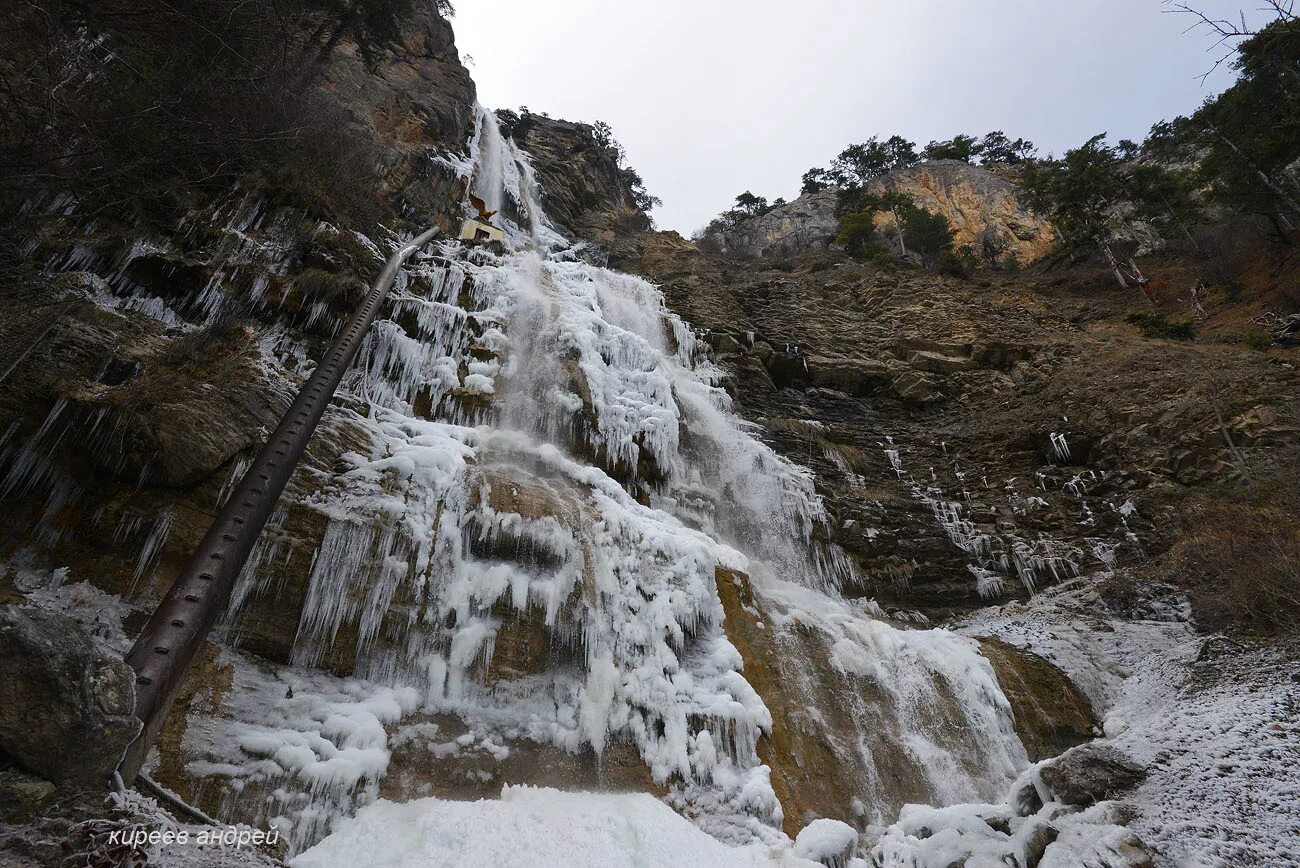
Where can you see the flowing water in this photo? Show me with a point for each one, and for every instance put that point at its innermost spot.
(548, 444)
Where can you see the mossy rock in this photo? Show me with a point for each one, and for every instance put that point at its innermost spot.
(1051, 715)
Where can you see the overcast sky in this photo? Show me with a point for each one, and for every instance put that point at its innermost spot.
(713, 97)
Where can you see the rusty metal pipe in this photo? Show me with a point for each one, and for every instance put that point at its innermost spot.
(168, 643)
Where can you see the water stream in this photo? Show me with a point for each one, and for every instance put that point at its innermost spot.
(551, 461)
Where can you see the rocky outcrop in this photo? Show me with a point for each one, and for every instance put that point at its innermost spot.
(1052, 716)
(584, 189)
(418, 101)
(67, 707)
(966, 381)
(806, 225)
(986, 213)
(1091, 773)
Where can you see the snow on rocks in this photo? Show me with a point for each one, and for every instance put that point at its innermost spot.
(829, 842)
(989, 835)
(1200, 752)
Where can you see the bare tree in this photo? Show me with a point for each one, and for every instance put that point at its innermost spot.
(1231, 31)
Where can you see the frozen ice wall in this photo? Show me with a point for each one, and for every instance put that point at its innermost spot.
(549, 452)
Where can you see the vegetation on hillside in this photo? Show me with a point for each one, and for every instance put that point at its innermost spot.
(131, 105)
(630, 176)
(1240, 152)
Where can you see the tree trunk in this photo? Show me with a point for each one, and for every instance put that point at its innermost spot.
(1114, 263)
(898, 225)
(1227, 438)
(1181, 225)
(1286, 197)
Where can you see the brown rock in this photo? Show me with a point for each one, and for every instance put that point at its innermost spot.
(67, 706)
(1091, 773)
(1051, 714)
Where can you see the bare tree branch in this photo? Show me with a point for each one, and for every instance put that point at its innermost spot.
(1229, 31)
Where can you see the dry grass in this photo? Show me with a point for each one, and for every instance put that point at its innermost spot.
(1241, 563)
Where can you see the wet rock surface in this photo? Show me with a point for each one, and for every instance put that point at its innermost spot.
(1052, 716)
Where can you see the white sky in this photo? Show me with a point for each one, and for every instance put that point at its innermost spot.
(713, 97)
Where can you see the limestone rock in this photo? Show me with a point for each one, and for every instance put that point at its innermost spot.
(805, 225)
(986, 213)
(66, 705)
(584, 191)
(422, 98)
(851, 376)
(836, 748)
(1091, 773)
(1037, 840)
(1025, 798)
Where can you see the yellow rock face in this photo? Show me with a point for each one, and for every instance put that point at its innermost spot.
(981, 208)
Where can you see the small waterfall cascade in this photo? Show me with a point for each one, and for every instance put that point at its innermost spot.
(531, 541)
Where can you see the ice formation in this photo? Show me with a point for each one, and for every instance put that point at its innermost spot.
(999, 556)
(546, 440)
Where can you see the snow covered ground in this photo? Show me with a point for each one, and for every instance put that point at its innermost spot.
(1215, 723)
(533, 827)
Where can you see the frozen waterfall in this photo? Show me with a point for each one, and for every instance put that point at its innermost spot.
(552, 466)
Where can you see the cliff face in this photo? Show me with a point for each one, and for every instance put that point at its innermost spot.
(157, 322)
(986, 213)
(928, 407)
(416, 106)
(978, 445)
(584, 189)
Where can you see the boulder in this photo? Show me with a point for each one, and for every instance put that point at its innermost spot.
(1052, 715)
(66, 705)
(1040, 836)
(1091, 773)
(829, 842)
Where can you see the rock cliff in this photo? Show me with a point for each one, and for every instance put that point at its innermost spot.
(928, 407)
(986, 213)
(982, 449)
(584, 189)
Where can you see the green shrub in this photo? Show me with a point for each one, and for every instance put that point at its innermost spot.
(928, 235)
(1156, 325)
(857, 229)
(962, 263)
(1258, 339)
